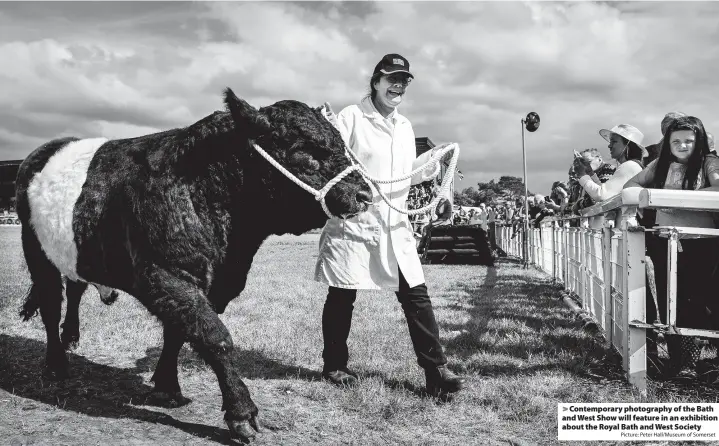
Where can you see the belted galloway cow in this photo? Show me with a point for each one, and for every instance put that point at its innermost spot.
(175, 219)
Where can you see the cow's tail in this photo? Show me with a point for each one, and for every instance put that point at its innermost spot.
(46, 281)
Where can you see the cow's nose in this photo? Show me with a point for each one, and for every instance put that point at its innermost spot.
(364, 196)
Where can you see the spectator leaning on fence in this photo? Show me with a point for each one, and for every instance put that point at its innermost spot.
(521, 214)
(578, 197)
(654, 149)
(559, 197)
(539, 210)
(625, 146)
(648, 216)
(684, 162)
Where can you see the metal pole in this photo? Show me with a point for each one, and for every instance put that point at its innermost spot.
(526, 202)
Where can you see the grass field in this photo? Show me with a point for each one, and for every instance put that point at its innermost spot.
(503, 327)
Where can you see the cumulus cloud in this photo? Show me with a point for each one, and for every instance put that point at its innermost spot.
(125, 69)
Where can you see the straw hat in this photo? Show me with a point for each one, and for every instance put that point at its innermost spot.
(628, 132)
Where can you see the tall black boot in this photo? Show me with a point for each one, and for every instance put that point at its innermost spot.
(441, 381)
(424, 332)
(336, 324)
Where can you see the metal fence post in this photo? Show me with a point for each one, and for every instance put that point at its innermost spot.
(555, 251)
(672, 255)
(607, 269)
(635, 342)
(583, 263)
(565, 250)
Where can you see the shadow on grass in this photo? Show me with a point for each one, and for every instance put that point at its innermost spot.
(105, 391)
(93, 389)
(520, 317)
(255, 365)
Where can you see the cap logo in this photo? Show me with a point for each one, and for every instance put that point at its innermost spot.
(398, 62)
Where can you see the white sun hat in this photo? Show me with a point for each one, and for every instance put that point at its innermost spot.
(628, 132)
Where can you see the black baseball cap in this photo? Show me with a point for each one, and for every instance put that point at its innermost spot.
(393, 63)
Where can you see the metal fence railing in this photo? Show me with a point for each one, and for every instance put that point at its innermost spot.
(602, 261)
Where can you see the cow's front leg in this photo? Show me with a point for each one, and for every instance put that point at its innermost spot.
(183, 307)
(167, 387)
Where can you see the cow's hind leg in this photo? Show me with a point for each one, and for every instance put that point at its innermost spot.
(45, 294)
(71, 326)
(167, 387)
(183, 307)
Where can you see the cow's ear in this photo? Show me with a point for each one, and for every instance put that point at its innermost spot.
(248, 120)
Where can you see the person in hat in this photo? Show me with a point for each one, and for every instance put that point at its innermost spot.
(625, 146)
(654, 149)
(376, 249)
(684, 163)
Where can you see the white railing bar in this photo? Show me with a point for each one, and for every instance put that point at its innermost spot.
(668, 230)
(679, 199)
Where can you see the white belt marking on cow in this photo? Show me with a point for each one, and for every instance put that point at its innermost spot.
(52, 195)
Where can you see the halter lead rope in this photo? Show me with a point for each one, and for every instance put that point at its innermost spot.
(358, 166)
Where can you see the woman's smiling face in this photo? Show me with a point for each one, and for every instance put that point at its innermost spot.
(391, 89)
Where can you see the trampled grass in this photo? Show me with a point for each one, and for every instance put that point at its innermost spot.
(504, 327)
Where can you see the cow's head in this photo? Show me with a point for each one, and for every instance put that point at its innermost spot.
(305, 143)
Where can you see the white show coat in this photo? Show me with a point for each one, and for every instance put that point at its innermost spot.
(367, 251)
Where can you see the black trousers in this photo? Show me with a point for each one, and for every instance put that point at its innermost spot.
(696, 293)
(417, 306)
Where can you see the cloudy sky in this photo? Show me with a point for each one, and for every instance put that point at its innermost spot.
(126, 69)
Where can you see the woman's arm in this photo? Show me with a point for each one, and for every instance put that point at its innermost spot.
(643, 178)
(711, 166)
(612, 186)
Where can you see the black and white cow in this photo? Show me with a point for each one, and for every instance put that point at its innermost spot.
(175, 219)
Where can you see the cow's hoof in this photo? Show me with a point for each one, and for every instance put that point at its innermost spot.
(244, 430)
(168, 400)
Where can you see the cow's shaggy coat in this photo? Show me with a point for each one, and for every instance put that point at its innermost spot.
(175, 219)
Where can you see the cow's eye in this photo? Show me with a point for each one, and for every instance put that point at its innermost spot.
(305, 161)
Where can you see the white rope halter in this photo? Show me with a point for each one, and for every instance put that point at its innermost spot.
(358, 166)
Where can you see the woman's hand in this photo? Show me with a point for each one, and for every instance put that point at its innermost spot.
(329, 114)
(582, 167)
(440, 147)
(560, 191)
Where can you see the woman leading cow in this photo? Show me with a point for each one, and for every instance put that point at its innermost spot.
(376, 249)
